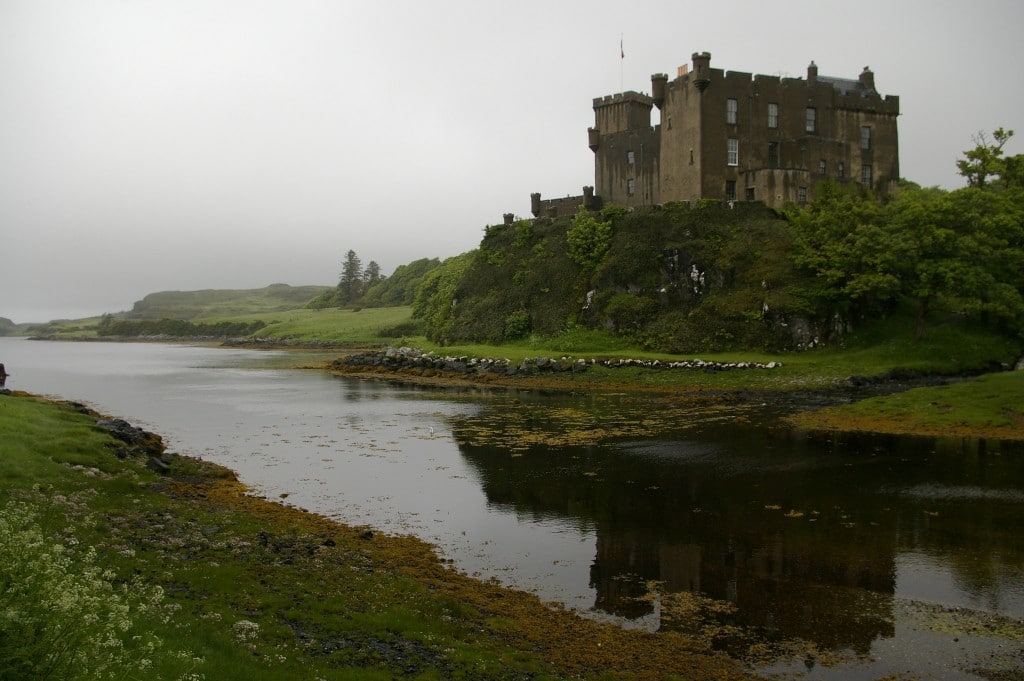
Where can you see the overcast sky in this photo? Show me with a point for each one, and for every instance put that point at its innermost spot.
(149, 145)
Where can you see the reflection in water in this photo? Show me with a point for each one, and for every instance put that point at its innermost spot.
(801, 537)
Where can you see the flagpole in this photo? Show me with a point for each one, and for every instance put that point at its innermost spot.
(622, 61)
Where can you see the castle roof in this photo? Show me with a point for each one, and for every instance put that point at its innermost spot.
(846, 85)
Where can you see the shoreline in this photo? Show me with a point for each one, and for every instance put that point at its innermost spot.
(326, 550)
(299, 551)
(817, 420)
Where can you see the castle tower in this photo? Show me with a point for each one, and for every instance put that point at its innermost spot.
(738, 136)
(659, 82)
(625, 148)
(701, 70)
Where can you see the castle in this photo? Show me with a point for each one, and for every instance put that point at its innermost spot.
(732, 136)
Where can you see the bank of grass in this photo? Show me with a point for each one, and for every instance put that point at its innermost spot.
(990, 406)
(949, 348)
(367, 326)
(218, 584)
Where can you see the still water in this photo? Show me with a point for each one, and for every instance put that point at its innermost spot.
(709, 518)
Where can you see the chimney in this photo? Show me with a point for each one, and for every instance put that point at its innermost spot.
(867, 79)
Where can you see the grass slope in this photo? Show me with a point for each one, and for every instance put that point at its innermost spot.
(218, 303)
(990, 406)
(256, 590)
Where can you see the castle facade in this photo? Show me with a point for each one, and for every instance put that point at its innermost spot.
(733, 136)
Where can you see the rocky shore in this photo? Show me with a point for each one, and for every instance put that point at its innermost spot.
(405, 358)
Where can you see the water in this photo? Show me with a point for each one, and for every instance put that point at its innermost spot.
(618, 506)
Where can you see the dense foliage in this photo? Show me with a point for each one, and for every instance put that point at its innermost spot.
(717, 277)
(960, 252)
(175, 328)
(669, 278)
(358, 287)
(399, 288)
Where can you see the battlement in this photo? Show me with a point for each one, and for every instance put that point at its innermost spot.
(624, 111)
(737, 136)
(628, 97)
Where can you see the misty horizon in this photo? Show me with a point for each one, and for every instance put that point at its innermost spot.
(221, 144)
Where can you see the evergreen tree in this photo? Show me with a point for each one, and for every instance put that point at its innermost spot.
(371, 275)
(350, 285)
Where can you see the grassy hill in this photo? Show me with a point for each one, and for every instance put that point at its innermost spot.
(220, 303)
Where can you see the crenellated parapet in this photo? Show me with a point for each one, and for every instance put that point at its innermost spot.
(737, 136)
(564, 206)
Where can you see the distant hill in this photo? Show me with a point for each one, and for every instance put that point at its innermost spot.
(209, 303)
(8, 327)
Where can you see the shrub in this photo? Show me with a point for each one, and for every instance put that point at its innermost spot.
(588, 238)
(517, 325)
(61, 615)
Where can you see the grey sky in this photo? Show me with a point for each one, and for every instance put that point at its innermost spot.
(148, 145)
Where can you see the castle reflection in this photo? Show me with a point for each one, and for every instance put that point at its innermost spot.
(794, 538)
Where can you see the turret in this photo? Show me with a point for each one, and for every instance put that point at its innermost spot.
(535, 204)
(701, 70)
(659, 83)
(593, 138)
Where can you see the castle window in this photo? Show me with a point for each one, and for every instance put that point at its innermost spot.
(842, 170)
(773, 115)
(865, 175)
(750, 193)
(812, 119)
(630, 186)
(773, 154)
(630, 158)
(730, 111)
(821, 167)
(730, 190)
(733, 151)
(801, 194)
(865, 137)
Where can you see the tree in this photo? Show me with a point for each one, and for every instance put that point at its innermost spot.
(371, 275)
(992, 223)
(931, 251)
(986, 160)
(350, 285)
(400, 288)
(588, 238)
(843, 240)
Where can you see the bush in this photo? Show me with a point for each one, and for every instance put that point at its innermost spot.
(62, 617)
(588, 238)
(517, 325)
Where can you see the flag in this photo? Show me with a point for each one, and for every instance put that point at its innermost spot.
(622, 52)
